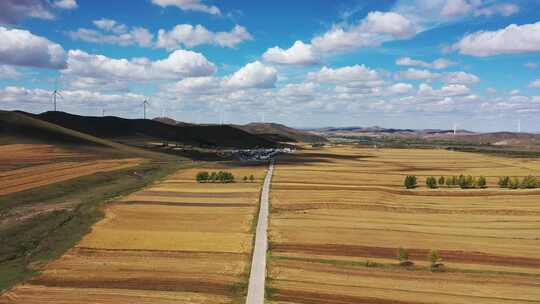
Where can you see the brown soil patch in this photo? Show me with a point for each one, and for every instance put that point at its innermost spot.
(195, 194)
(304, 297)
(184, 204)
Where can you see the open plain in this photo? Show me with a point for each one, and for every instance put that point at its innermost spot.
(177, 241)
(339, 215)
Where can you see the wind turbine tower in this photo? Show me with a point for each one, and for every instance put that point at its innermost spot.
(56, 94)
(455, 128)
(145, 103)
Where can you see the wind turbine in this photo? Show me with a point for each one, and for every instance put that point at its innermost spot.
(56, 93)
(145, 103)
(455, 128)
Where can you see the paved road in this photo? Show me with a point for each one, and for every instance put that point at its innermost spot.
(258, 264)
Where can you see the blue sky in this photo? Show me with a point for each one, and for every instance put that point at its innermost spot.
(393, 63)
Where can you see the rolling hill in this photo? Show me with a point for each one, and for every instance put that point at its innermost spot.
(16, 127)
(117, 129)
(281, 132)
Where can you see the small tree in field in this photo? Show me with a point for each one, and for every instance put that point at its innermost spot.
(503, 181)
(529, 182)
(213, 177)
(481, 182)
(251, 178)
(441, 181)
(410, 182)
(245, 179)
(435, 260)
(513, 183)
(403, 257)
(202, 177)
(431, 182)
(449, 182)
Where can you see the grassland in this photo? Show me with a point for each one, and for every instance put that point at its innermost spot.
(176, 241)
(339, 215)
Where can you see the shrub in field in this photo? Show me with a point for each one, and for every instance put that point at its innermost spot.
(403, 257)
(410, 182)
(530, 182)
(514, 183)
(481, 182)
(251, 178)
(503, 181)
(245, 179)
(455, 180)
(435, 260)
(441, 181)
(431, 182)
(202, 177)
(450, 181)
(212, 177)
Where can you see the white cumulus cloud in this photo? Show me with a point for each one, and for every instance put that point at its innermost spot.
(22, 48)
(189, 5)
(178, 65)
(253, 75)
(187, 35)
(513, 39)
(113, 32)
(65, 4)
(438, 64)
(300, 54)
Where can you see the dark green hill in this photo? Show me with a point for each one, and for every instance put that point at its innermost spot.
(113, 128)
(17, 127)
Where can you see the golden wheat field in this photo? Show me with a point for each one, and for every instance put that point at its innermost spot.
(339, 215)
(174, 242)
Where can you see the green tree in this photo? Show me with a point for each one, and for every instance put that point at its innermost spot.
(403, 254)
(455, 180)
(449, 182)
(441, 181)
(431, 182)
(410, 182)
(213, 177)
(529, 182)
(202, 177)
(503, 181)
(514, 183)
(481, 182)
(434, 258)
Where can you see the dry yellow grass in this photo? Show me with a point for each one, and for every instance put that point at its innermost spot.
(154, 246)
(335, 208)
(40, 175)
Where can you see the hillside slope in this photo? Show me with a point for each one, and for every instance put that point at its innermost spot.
(279, 131)
(114, 128)
(16, 127)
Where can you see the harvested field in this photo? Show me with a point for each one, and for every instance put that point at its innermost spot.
(337, 208)
(15, 155)
(40, 175)
(153, 248)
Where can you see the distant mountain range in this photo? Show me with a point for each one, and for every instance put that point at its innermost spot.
(376, 130)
